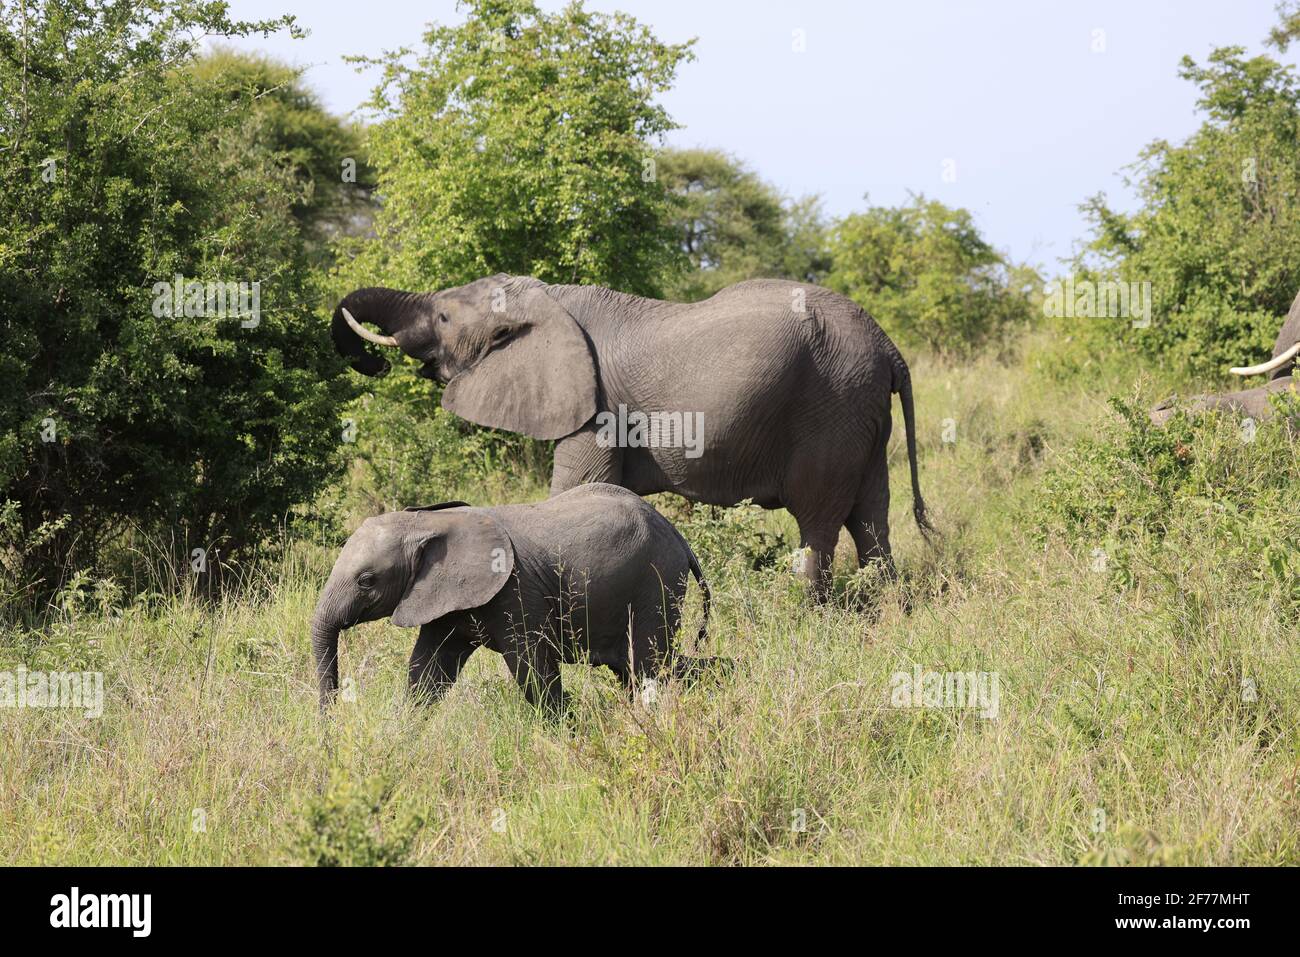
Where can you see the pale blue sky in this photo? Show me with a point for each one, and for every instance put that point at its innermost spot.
(885, 92)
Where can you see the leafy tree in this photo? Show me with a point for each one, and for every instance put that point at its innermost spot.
(517, 141)
(927, 276)
(805, 255)
(122, 170)
(733, 226)
(326, 156)
(520, 141)
(1288, 30)
(1216, 231)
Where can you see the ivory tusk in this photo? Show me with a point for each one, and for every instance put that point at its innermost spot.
(366, 334)
(1274, 363)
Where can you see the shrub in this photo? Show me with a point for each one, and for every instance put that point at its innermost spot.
(927, 276)
(1137, 495)
(122, 172)
(411, 451)
(1215, 234)
(727, 538)
(350, 826)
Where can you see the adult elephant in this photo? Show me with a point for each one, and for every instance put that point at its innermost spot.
(1255, 403)
(788, 387)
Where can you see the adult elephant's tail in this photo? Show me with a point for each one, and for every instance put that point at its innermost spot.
(902, 384)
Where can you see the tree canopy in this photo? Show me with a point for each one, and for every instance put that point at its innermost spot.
(285, 119)
(731, 225)
(522, 141)
(125, 170)
(1215, 233)
(927, 276)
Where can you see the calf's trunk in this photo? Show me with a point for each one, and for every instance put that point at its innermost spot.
(325, 648)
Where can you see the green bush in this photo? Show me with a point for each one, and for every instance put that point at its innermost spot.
(411, 451)
(1136, 495)
(1215, 234)
(122, 172)
(350, 826)
(927, 276)
(739, 538)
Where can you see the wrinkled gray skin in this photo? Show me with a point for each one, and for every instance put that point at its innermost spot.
(593, 575)
(793, 382)
(1253, 403)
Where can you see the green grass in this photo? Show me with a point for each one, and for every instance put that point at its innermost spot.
(1125, 733)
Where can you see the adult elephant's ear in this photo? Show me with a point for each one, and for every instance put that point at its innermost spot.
(538, 378)
(462, 560)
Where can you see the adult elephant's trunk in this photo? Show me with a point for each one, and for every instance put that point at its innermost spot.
(325, 649)
(389, 309)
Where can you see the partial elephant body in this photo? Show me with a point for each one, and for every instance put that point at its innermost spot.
(772, 389)
(1283, 358)
(594, 575)
(785, 387)
(599, 575)
(1254, 403)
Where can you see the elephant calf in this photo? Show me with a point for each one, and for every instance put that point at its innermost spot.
(593, 575)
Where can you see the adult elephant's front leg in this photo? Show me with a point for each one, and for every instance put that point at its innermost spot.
(580, 459)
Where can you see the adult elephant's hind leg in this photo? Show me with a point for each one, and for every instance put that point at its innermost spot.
(869, 521)
(817, 538)
(820, 491)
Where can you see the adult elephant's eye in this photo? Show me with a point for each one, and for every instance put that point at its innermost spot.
(366, 580)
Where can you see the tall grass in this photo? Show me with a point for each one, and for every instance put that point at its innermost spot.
(1148, 702)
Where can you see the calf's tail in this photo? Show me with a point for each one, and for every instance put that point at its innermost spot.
(703, 636)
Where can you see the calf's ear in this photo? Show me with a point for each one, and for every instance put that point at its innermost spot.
(461, 561)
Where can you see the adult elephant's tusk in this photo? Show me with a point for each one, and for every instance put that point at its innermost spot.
(366, 334)
(1276, 362)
